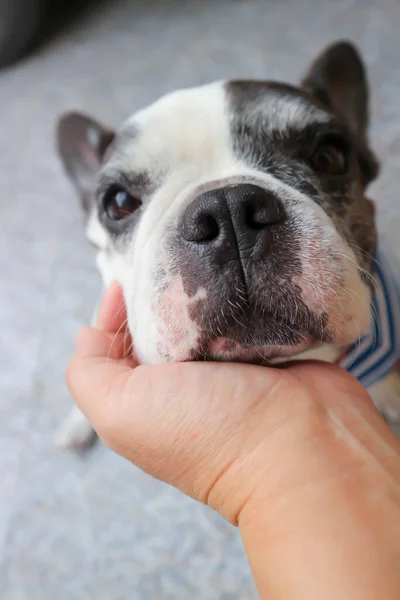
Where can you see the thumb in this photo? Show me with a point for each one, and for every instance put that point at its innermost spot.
(103, 354)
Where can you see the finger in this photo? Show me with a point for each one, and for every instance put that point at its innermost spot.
(93, 342)
(112, 319)
(112, 312)
(97, 369)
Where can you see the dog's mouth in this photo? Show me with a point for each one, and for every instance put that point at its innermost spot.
(270, 323)
(260, 336)
(228, 350)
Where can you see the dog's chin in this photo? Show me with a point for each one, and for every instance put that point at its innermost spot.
(225, 349)
(262, 338)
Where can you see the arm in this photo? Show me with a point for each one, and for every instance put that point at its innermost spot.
(331, 529)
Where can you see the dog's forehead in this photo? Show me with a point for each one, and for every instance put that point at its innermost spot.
(202, 117)
(274, 105)
(177, 126)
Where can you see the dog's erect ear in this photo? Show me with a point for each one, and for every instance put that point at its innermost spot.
(337, 78)
(82, 143)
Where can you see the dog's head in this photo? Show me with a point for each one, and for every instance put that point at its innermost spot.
(234, 214)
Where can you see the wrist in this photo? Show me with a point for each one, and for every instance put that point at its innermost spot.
(293, 442)
(330, 526)
(310, 434)
(337, 540)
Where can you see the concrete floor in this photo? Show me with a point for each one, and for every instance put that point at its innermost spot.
(93, 526)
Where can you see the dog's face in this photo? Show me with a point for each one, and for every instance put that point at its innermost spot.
(234, 214)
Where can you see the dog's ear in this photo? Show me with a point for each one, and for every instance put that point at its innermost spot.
(337, 78)
(82, 143)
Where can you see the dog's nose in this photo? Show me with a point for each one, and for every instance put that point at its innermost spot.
(233, 220)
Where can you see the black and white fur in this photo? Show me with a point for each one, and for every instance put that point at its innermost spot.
(238, 249)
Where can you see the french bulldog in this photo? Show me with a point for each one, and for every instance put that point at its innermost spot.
(235, 217)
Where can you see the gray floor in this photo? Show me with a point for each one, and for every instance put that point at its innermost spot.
(93, 526)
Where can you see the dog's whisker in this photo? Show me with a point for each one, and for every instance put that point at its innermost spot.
(115, 337)
(364, 272)
(363, 252)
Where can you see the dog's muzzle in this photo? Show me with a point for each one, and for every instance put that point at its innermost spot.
(234, 285)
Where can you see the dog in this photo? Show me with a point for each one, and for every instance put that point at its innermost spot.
(235, 217)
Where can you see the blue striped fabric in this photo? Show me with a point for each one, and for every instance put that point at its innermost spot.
(376, 354)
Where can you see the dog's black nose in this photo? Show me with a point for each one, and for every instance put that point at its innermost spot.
(232, 220)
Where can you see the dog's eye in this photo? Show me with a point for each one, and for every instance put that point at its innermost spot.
(329, 160)
(118, 204)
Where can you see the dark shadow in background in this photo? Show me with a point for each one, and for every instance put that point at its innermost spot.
(27, 25)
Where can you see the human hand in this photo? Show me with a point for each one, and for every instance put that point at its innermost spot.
(211, 429)
(296, 456)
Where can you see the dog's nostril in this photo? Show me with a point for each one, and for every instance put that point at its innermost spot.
(259, 214)
(206, 229)
(199, 226)
(256, 218)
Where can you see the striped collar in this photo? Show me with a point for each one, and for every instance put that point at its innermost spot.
(375, 355)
